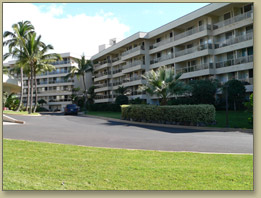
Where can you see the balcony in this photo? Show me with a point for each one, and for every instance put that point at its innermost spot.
(133, 66)
(130, 79)
(133, 52)
(234, 19)
(191, 32)
(103, 98)
(102, 65)
(161, 43)
(162, 58)
(195, 68)
(193, 49)
(116, 71)
(61, 62)
(61, 81)
(237, 61)
(102, 74)
(234, 40)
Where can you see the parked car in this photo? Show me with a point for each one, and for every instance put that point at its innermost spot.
(71, 109)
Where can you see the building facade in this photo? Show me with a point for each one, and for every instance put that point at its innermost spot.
(52, 86)
(214, 42)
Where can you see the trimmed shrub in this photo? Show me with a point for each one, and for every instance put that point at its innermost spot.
(176, 114)
(121, 99)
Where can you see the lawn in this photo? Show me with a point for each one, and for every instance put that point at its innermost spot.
(45, 166)
(107, 114)
(238, 119)
(19, 112)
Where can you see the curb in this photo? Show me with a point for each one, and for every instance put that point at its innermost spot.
(173, 126)
(10, 119)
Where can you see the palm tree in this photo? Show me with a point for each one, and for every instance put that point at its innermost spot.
(163, 83)
(83, 67)
(33, 53)
(121, 90)
(20, 32)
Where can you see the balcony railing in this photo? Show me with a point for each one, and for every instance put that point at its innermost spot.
(97, 97)
(102, 74)
(117, 83)
(133, 50)
(237, 61)
(162, 58)
(192, 31)
(235, 40)
(193, 49)
(101, 85)
(234, 19)
(134, 93)
(60, 81)
(163, 42)
(102, 63)
(60, 100)
(116, 59)
(61, 62)
(195, 68)
(249, 80)
(116, 71)
(130, 79)
(132, 64)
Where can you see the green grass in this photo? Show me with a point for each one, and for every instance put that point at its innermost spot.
(107, 114)
(237, 119)
(44, 166)
(19, 112)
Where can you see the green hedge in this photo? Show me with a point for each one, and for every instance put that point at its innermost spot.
(176, 114)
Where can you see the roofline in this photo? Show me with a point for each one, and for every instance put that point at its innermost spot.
(177, 22)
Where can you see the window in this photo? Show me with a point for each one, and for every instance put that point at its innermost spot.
(158, 55)
(227, 16)
(158, 40)
(250, 51)
(249, 29)
(243, 52)
(247, 8)
(189, 46)
(200, 23)
(228, 35)
(250, 73)
(170, 34)
(230, 56)
(190, 28)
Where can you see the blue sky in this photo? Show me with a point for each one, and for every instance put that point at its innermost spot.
(81, 27)
(138, 16)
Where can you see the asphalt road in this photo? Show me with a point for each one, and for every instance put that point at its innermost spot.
(76, 130)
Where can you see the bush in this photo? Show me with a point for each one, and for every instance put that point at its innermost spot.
(121, 99)
(181, 101)
(176, 114)
(104, 107)
(41, 109)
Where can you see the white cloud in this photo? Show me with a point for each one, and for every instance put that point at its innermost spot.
(77, 34)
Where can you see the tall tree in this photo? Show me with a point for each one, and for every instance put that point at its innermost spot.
(20, 32)
(80, 71)
(33, 53)
(236, 93)
(163, 83)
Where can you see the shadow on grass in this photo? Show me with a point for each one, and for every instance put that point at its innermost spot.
(157, 128)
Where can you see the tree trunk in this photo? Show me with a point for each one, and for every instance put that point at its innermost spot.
(31, 90)
(36, 97)
(22, 90)
(235, 107)
(28, 93)
(85, 93)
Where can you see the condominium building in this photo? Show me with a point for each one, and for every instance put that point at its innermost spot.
(52, 86)
(213, 42)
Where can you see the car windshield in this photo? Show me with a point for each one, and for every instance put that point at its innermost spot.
(71, 106)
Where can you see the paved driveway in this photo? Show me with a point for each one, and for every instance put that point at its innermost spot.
(96, 132)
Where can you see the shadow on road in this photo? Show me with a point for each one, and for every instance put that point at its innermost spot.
(157, 128)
